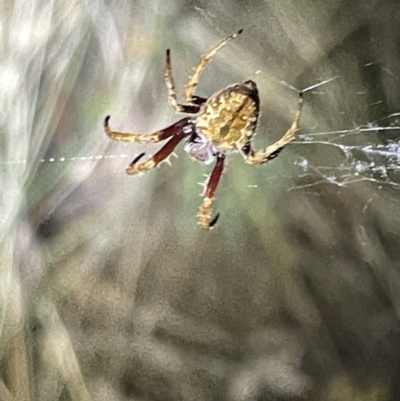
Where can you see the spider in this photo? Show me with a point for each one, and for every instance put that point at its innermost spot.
(224, 122)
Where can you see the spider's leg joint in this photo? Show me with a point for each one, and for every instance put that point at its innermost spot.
(213, 222)
(301, 100)
(136, 159)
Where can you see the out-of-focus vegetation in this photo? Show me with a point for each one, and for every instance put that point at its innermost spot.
(109, 291)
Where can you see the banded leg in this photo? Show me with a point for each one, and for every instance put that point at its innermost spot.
(161, 155)
(147, 138)
(169, 82)
(272, 151)
(194, 79)
(205, 209)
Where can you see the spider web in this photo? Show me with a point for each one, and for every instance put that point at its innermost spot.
(377, 163)
(376, 160)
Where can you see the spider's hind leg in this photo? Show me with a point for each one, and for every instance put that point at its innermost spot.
(272, 151)
(205, 210)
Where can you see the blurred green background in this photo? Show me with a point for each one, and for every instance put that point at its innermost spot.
(108, 288)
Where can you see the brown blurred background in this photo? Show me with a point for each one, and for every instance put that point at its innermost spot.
(110, 291)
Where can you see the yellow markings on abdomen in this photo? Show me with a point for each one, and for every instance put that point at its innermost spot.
(228, 119)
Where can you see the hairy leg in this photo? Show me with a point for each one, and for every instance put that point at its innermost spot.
(157, 158)
(205, 209)
(194, 79)
(147, 138)
(169, 82)
(270, 152)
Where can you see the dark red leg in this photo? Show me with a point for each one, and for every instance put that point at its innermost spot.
(205, 209)
(160, 156)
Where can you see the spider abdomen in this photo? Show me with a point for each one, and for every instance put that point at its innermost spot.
(228, 118)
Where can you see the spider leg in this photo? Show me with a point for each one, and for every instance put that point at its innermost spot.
(272, 151)
(169, 82)
(157, 158)
(146, 138)
(205, 209)
(194, 79)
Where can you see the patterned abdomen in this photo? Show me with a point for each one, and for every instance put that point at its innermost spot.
(228, 119)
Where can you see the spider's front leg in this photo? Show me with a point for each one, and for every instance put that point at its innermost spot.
(205, 209)
(205, 59)
(270, 152)
(192, 108)
(176, 131)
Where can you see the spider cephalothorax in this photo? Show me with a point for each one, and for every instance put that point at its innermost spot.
(224, 122)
